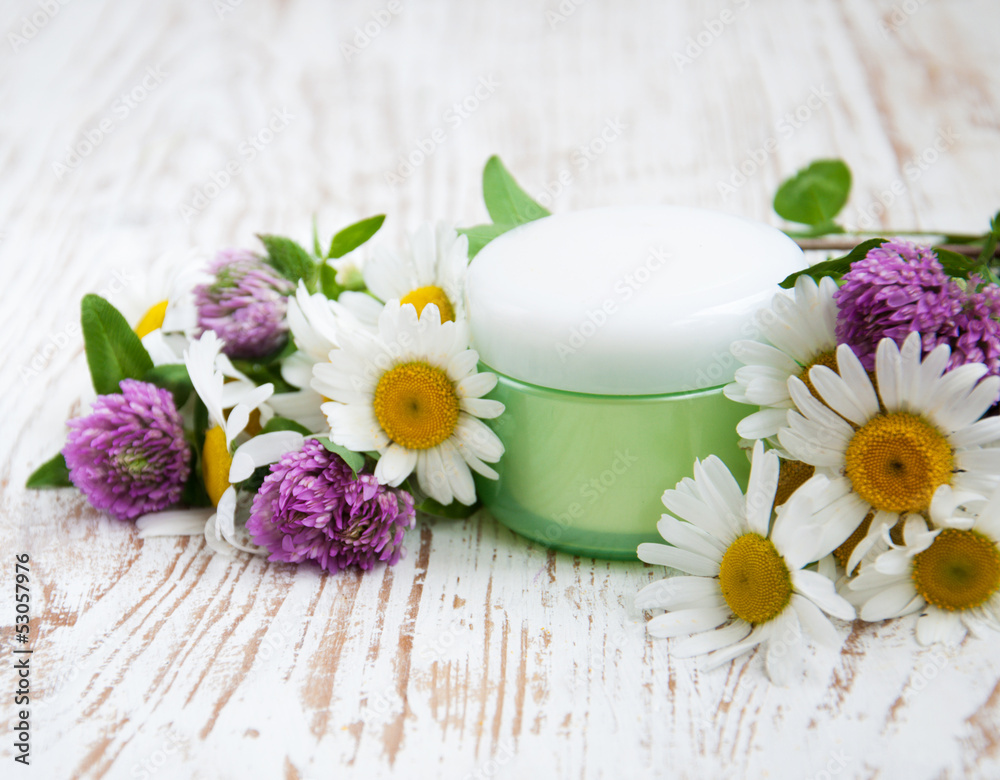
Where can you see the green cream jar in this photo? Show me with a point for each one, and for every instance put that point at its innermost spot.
(609, 330)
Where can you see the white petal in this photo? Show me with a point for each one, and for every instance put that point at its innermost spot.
(710, 641)
(785, 650)
(761, 488)
(938, 625)
(893, 601)
(689, 537)
(675, 558)
(674, 592)
(815, 622)
(395, 465)
(821, 591)
(462, 364)
(756, 636)
(687, 621)
(762, 424)
(476, 385)
(262, 450)
(173, 522)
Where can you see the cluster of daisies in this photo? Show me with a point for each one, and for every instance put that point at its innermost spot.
(874, 489)
(290, 404)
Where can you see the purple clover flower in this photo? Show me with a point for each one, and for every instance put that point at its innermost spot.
(245, 305)
(310, 507)
(129, 455)
(974, 333)
(897, 288)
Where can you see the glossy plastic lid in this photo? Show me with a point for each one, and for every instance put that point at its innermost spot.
(636, 300)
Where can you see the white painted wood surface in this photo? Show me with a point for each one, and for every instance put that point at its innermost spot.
(480, 655)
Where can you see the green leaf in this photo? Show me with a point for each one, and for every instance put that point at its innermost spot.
(816, 194)
(328, 282)
(284, 424)
(355, 460)
(114, 352)
(317, 249)
(480, 235)
(836, 266)
(453, 511)
(826, 229)
(51, 474)
(173, 377)
(290, 260)
(955, 264)
(506, 202)
(353, 236)
(990, 244)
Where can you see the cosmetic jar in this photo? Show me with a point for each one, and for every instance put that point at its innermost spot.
(609, 330)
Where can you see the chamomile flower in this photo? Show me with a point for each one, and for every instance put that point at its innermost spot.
(887, 452)
(801, 330)
(412, 394)
(950, 572)
(433, 271)
(745, 582)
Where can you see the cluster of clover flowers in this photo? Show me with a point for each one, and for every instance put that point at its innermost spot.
(292, 403)
(874, 489)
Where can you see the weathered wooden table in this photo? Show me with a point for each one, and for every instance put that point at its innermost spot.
(480, 655)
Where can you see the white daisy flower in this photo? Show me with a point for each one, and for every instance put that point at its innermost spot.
(802, 329)
(886, 453)
(745, 584)
(433, 271)
(314, 321)
(951, 573)
(413, 395)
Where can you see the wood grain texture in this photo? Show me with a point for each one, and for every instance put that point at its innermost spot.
(479, 655)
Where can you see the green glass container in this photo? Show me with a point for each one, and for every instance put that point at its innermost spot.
(585, 473)
(609, 331)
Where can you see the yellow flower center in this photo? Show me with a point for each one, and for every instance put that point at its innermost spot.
(755, 580)
(215, 463)
(960, 570)
(152, 319)
(828, 359)
(416, 405)
(896, 461)
(430, 294)
(792, 475)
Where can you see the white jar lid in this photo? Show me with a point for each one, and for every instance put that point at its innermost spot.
(638, 300)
